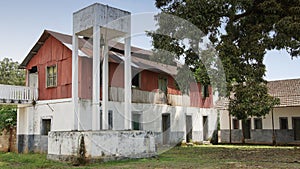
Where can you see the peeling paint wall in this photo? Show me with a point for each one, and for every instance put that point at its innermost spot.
(102, 145)
(61, 115)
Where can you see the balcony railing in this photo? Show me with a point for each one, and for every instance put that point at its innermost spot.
(17, 94)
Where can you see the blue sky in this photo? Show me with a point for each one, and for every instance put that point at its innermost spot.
(22, 23)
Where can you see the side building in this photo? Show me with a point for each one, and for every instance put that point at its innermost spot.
(280, 126)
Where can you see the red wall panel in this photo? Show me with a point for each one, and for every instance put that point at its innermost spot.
(54, 52)
(51, 53)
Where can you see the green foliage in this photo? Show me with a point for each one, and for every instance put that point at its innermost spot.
(10, 73)
(241, 32)
(245, 103)
(8, 116)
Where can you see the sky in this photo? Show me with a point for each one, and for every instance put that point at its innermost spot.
(22, 23)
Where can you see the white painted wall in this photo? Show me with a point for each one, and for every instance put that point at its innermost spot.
(30, 117)
(278, 112)
(60, 111)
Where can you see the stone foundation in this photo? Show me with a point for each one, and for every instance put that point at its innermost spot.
(100, 145)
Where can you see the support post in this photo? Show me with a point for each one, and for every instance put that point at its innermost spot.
(75, 81)
(96, 78)
(105, 74)
(127, 85)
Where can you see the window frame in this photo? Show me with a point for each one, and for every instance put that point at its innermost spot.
(237, 122)
(280, 123)
(139, 114)
(54, 77)
(43, 130)
(255, 123)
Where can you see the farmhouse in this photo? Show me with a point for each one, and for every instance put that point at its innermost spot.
(280, 126)
(158, 105)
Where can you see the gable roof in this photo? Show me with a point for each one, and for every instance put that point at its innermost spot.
(115, 53)
(288, 92)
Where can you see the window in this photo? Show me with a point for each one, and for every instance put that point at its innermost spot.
(51, 75)
(136, 121)
(283, 122)
(257, 123)
(110, 119)
(136, 80)
(205, 91)
(236, 124)
(46, 126)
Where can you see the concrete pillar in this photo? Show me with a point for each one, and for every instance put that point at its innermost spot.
(105, 81)
(127, 83)
(96, 78)
(75, 81)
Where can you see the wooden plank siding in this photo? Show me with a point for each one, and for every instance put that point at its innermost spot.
(54, 52)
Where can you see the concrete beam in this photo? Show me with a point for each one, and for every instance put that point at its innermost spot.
(127, 83)
(96, 78)
(105, 81)
(75, 81)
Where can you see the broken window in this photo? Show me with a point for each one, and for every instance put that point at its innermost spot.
(51, 75)
(46, 126)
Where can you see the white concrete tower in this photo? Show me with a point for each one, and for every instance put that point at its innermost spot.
(100, 22)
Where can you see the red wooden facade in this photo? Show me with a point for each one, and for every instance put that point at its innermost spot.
(54, 52)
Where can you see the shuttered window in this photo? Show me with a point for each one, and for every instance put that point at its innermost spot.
(51, 74)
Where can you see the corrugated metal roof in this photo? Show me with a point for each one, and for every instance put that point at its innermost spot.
(86, 50)
(288, 91)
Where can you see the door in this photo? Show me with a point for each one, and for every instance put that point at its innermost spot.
(296, 127)
(166, 128)
(33, 80)
(246, 128)
(205, 127)
(163, 88)
(189, 128)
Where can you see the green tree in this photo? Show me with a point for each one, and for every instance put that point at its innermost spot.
(10, 74)
(241, 32)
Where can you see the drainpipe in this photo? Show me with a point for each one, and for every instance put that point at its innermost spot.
(273, 135)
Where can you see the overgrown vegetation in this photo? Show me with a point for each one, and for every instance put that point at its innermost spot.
(179, 157)
(8, 116)
(10, 74)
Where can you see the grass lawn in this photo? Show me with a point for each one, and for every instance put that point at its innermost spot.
(222, 156)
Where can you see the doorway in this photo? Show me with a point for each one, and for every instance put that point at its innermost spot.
(189, 128)
(296, 127)
(33, 77)
(205, 128)
(166, 128)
